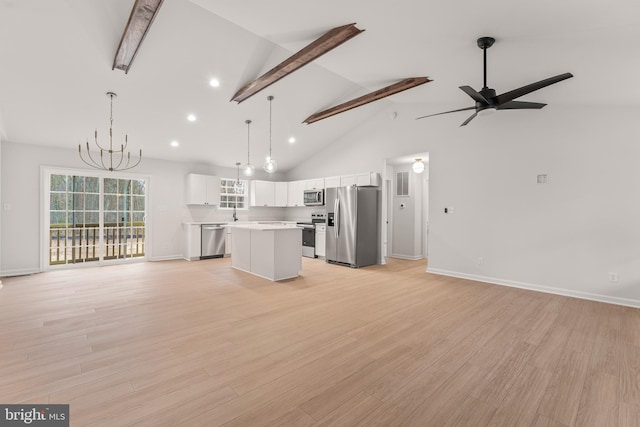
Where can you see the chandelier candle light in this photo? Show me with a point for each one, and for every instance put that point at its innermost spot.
(108, 154)
(270, 165)
(248, 169)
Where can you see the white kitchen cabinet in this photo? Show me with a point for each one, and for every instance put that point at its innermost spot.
(361, 179)
(332, 181)
(347, 180)
(228, 241)
(202, 189)
(262, 193)
(281, 194)
(295, 192)
(192, 249)
(368, 179)
(314, 184)
(321, 240)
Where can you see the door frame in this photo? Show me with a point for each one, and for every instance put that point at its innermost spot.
(45, 172)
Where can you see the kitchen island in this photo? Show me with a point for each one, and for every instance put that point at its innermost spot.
(272, 251)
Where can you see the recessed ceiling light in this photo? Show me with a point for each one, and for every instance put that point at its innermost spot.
(191, 118)
(292, 140)
(175, 143)
(214, 82)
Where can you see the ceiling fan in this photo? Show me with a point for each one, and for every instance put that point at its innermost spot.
(487, 101)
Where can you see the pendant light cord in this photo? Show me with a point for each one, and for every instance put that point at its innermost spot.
(270, 98)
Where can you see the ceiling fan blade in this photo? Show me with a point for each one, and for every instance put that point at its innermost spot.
(473, 116)
(516, 93)
(447, 112)
(474, 94)
(521, 105)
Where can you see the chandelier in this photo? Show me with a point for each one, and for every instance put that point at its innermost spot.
(110, 159)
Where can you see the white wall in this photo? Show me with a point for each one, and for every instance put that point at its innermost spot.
(562, 237)
(21, 186)
(407, 221)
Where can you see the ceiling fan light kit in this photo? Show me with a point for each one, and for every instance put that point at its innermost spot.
(486, 100)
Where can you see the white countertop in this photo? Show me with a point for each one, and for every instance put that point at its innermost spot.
(263, 226)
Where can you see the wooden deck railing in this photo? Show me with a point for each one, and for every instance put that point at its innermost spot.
(82, 244)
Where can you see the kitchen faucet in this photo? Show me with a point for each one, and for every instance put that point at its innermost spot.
(235, 215)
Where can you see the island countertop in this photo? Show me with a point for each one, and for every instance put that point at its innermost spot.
(263, 226)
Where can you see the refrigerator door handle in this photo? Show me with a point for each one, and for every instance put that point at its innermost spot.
(337, 217)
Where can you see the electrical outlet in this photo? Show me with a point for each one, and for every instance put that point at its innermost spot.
(613, 277)
(480, 261)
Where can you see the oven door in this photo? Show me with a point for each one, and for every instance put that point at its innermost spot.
(309, 242)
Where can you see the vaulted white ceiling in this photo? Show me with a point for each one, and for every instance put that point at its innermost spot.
(56, 58)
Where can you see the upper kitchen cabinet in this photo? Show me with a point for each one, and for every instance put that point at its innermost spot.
(202, 189)
(332, 182)
(361, 180)
(314, 184)
(295, 192)
(282, 194)
(263, 193)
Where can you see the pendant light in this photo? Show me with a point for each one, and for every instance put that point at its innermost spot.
(418, 166)
(248, 169)
(270, 165)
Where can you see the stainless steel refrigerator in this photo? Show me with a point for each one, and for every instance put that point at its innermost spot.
(352, 225)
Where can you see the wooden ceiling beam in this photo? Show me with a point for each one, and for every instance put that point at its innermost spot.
(370, 97)
(142, 15)
(328, 41)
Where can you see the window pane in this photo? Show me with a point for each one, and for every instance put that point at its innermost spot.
(58, 218)
(92, 218)
(124, 186)
(58, 201)
(75, 219)
(110, 218)
(77, 183)
(58, 183)
(138, 218)
(110, 186)
(110, 203)
(92, 202)
(91, 184)
(78, 201)
(138, 186)
(138, 203)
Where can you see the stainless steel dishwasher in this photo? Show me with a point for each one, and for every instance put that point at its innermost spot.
(212, 237)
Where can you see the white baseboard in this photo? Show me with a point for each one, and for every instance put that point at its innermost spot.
(19, 272)
(167, 258)
(539, 288)
(409, 257)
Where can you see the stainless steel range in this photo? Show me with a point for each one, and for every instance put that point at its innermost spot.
(309, 233)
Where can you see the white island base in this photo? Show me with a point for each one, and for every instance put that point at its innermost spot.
(267, 250)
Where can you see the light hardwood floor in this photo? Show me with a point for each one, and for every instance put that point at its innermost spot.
(198, 343)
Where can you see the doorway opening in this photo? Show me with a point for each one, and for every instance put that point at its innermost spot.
(405, 223)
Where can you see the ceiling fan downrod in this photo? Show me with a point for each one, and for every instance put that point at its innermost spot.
(485, 43)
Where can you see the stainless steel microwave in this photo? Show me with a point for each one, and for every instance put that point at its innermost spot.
(314, 197)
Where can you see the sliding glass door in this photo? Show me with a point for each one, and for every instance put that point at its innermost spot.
(94, 219)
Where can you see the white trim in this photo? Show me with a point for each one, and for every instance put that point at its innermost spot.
(539, 288)
(20, 272)
(409, 257)
(168, 258)
(46, 171)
